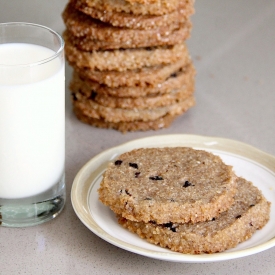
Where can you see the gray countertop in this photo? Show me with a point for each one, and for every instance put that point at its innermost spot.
(233, 48)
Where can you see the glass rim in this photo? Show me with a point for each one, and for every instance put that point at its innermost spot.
(43, 61)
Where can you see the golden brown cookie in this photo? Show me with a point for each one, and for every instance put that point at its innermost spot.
(158, 7)
(144, 77)
(140, 102)
(170, 184)
(92, 109)
(122, 126)
(249, 213)
(89, 34)
(178, 80)
(130, 20)
(80, 24)
(132, 70)
(124, 59)
(88, 44)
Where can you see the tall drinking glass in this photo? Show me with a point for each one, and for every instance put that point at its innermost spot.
(32, 124)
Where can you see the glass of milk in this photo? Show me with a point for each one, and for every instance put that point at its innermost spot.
(32, 124)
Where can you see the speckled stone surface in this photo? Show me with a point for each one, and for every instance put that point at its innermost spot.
(232, 44)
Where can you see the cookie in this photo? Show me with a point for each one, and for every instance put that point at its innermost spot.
(141, 102)
(92, 109)
(137, 125)
(144, 77)
(250, 212)
(88, 44)
(131, 67)
(124, 59)
(134, 7)
(185, 77)
(133, 21)
(80, 24)
(172, 184)
(90, 30)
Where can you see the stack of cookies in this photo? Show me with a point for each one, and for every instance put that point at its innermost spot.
(131, 66)
(183, 199)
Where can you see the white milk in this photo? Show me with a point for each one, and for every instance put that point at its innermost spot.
(32, 141)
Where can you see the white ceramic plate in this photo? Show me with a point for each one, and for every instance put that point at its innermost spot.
(248, 162)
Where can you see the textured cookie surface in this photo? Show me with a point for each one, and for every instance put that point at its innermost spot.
(131, 67)
(92, 109)
(140, 103)
(184, 77)
(122, 126)
(136, 7)
(144, 77)
(130, 20)
(80, 89)
(117, 40)
(168, 185)
(125, 59)
(81, 24)
(249, 213)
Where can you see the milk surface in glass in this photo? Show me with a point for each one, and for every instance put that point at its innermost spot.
(31, 122)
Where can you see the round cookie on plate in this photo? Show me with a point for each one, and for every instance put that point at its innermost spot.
(249, 212)
(163, 185)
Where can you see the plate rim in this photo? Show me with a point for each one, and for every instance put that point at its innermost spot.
(217, 143)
